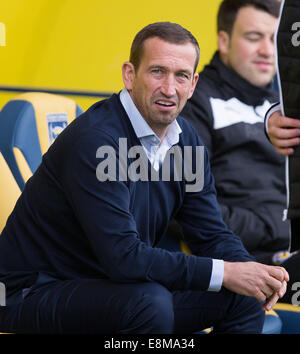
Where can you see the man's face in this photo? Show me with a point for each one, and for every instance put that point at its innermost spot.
(250, 48)
(163, 82)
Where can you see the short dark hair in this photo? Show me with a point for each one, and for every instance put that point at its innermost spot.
(166, 31)
(229, 8)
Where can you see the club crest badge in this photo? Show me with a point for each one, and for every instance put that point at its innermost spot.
(56, 124)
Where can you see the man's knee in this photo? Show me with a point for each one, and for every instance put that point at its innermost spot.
(151, 311)
(245, 315)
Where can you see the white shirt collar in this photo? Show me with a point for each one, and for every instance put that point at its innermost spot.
(141, 127)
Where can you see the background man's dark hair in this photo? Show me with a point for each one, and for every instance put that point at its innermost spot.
(229, 8)
(167, 31)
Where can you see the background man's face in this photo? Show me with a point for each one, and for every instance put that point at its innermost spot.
(250, 48)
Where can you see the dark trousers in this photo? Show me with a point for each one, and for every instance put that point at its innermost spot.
(100, 306)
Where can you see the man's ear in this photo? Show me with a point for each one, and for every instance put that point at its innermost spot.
(195, 79)
(223, 43)
(128, 73)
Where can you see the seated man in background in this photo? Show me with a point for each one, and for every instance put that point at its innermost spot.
(78, 253)
(227, 109)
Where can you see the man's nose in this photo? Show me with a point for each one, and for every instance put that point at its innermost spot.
(267, 47)
(168, 86)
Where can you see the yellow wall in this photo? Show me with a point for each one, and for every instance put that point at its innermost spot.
(81, 44)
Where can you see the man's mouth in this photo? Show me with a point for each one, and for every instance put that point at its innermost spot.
(165, 104)
(263, 65)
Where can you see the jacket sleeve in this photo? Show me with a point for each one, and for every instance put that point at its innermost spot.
(251, 229)
(203, 228)
(274, 108)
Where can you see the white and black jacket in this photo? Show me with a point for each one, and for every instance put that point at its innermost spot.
(228, 114)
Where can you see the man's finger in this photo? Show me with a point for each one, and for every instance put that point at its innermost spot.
(271, 301)
(279, 273)
(289, 122)
(277, 120)
(283, 133)
(282, 290)
(283, 143)
(285, 151)
(274, 284)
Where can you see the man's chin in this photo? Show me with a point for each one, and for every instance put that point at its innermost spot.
(261, 80)
(166, 117)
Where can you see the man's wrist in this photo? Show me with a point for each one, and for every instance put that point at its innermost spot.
(217, 274)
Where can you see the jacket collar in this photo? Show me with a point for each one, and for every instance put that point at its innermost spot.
(247, 92)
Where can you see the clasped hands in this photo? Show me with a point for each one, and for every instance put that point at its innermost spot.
(266, 283)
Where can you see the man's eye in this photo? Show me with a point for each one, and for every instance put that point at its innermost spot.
(253, 38)
(182, 75)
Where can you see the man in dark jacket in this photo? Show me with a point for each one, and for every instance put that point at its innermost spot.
(283, 129)
(78, 253)
(227, 109)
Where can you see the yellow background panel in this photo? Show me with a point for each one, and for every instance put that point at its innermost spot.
(81, 44)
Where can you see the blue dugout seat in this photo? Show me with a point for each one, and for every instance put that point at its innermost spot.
(29, 123)
(290, 317)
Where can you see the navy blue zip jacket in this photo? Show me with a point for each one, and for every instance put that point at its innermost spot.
(70, 225)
